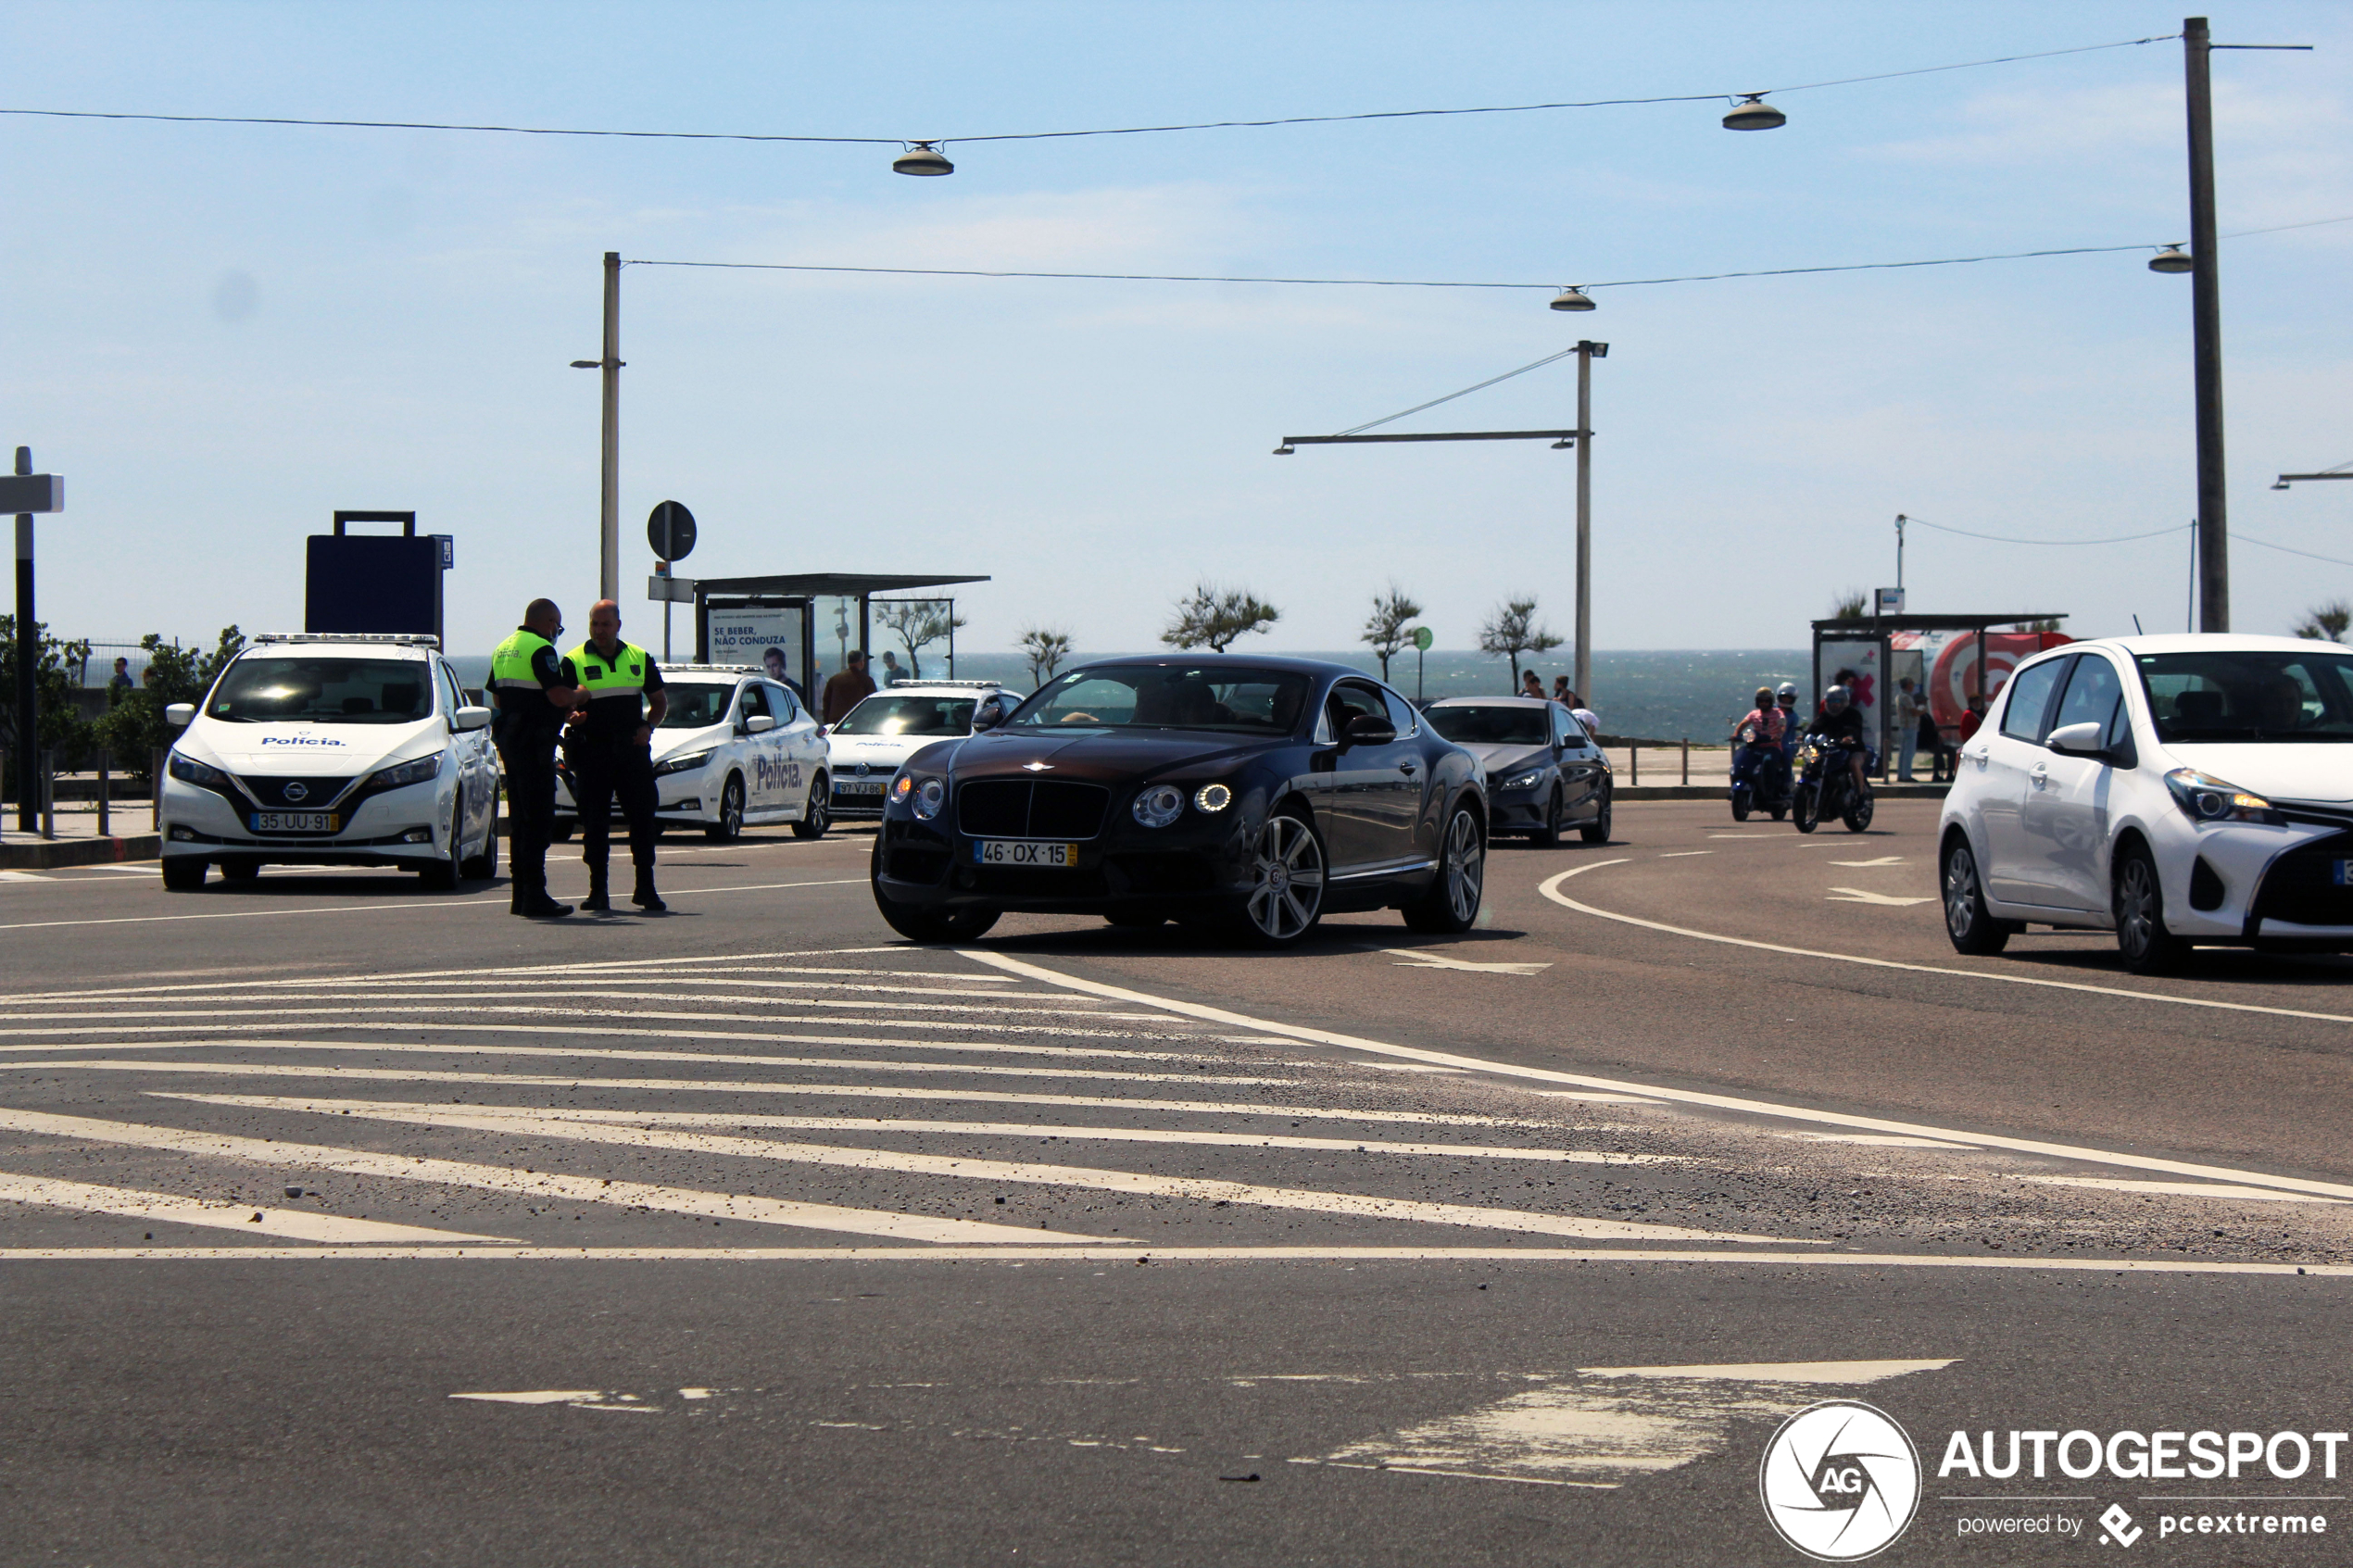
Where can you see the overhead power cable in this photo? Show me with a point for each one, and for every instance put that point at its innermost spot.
(1052, 135)
(2011, 539)
(2236, 537)
(1442, 283)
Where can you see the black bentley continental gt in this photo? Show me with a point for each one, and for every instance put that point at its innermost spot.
(1257, 793)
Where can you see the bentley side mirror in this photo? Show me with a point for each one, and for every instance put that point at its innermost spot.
(180, 715)
(2087, 739)
(759, 724)
(989, 715)
(1368, 730)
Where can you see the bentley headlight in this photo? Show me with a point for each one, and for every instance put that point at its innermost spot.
(1159, 806)
(902, 786)
(187, 769)
(930, 795)
(1213, 799)
(407, 773)
(1525, 780)
(2208, 799)
(686, 764)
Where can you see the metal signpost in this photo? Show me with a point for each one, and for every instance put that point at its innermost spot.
(25, 493)
(671, 531)
(1422, 639)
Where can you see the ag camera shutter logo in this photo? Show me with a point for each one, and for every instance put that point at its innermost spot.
(1839, 1481)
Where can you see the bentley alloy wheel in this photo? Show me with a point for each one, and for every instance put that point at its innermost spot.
(1287, 889)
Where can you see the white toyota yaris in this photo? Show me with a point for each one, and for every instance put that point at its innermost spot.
(318, 749)
(2176, 790)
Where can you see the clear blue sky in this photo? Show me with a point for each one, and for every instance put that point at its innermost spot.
(223, 334)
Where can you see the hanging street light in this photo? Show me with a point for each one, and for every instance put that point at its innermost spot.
(2172, 259)
(1752, 113)
(1572, 300)
(921, 158)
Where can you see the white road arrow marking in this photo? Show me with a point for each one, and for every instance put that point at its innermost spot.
(1419, 958)
(1882, 860)
(1858, 896)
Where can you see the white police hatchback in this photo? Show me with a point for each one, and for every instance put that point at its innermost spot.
(889, 726)
(343, 750)
(732, 749)
(2176, 790)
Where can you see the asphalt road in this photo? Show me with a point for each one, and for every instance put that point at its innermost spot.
(350, 1223)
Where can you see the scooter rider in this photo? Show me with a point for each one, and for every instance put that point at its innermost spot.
(1785, 699)
(533, 696)
(621, 702)
(1841, 723)
(1770, 724)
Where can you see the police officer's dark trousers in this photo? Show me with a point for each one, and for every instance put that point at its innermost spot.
(603, 774)
(531, 814)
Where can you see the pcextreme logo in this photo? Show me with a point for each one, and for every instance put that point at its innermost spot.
(1839, 1481)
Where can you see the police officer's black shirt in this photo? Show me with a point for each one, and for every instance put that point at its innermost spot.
(528, 717)
(612, 721)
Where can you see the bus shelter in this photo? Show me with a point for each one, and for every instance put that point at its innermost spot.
(802, 626)
(1949, 659)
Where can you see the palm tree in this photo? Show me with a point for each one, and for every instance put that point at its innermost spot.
(1044, 650)
(2326, 624)
(1213, 619)
(1385, 629)
(1512, 631)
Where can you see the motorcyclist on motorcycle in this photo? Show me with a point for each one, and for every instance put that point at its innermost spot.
(1769, 726)
(1841, 723)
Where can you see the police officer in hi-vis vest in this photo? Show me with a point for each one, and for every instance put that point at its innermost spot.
(533, 697)
(607, 744)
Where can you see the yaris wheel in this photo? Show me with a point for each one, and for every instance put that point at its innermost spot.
(1967, 920)
(2141, 937)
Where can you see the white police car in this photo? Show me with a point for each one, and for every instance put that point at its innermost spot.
(734, 749)
(888, 727)
(314, 749)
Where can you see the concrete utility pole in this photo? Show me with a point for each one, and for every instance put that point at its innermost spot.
(1587, 352)
(608, 567)
(28, 656)
(2205, 335)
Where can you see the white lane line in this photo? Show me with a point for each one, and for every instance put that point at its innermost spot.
(288, 1224)
(1550, 1094)
(1054, 1132)
(531, 1184)
(1860, 896)
(1686, 1097)
(2176, 1189)
(1422, 957)
(602, 972)
(1098, 1252)
(1882, 860)
(1550, 888)
(426, 1075)
(25, 876)
(395, 1047)
(603, 1031)
(1137, 1184)
(576, 1010)
(478, 904)
(1685, 854)
(1872, 1140)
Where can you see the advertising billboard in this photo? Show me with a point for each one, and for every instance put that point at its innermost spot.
(765, 636)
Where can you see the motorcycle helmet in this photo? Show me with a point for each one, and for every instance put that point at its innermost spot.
(1834, 697)
(1787, 693)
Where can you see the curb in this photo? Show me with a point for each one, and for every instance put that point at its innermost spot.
(59, 852)
(1624, 793)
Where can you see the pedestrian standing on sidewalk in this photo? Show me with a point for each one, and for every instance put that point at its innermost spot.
(847, 689)
(121, 682)
(534, 694)
(609, 744)
(1907, 728)
(1532, 685)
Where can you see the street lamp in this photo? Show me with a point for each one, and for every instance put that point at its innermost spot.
(1752, 113)
(1572, 298)
(2172, 259)
(2341, 471)
(922, 158)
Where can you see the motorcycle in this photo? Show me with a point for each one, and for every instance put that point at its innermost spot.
(1760, 777)
(1826, 787)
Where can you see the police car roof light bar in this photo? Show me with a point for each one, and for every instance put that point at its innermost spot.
(401, 639)
(711, 669)
(898, 681)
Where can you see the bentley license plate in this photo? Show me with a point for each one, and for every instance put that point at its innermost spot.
(295, 821)
(1024, 852)
(2344, 870)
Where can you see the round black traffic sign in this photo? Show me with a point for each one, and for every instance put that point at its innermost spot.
(670, 532)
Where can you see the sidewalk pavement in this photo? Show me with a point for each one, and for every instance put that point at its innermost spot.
(78, 844)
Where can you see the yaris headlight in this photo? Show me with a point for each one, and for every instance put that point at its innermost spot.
(2208, 799)
(1159, 806)
(407, 773)
(930, 795)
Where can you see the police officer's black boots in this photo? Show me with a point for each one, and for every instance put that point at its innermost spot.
(598, 899)
(533, 901)
(646, 898)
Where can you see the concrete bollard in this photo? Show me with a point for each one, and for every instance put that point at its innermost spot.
(106, 799)
(1687, 759)
(154, 789)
